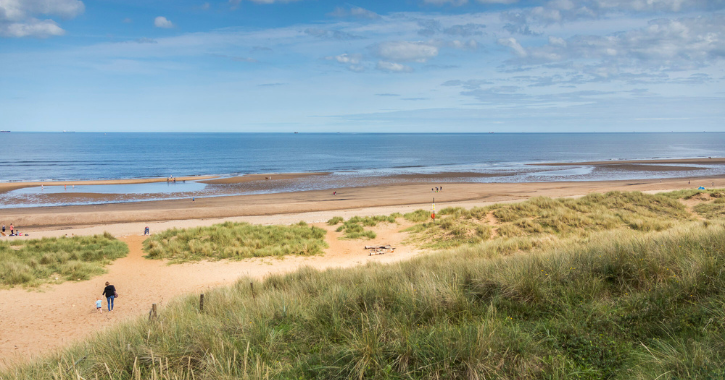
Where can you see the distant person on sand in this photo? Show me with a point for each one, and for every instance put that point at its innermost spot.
(334, 193)
(11, 228)
(110, 292)
(99, 305)
(146, 231)
(441, 188)
(3, 228)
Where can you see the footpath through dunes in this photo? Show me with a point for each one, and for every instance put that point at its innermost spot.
(622, 305)
(36, 322)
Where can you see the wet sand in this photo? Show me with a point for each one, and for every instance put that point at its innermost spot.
(10, 186)
(694, 161)
(271, 177)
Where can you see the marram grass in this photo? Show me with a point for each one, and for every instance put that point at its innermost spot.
(616, 305)
(38, 261)
(543, 216)
(235, 241)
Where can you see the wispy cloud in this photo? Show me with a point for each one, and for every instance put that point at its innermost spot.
(18, 18)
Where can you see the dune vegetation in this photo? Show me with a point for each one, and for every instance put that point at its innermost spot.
(553, 218)
(235, 241)
(54, 260)
(620, 304)
(354, 228)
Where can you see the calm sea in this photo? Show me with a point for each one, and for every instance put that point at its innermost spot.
(75, 156)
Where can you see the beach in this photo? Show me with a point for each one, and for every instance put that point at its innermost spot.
(37, 321)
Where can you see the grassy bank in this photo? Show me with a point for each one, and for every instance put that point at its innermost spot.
(235, 241)
(354, 228)
(542, 216)
(617, 305)
(54, 260)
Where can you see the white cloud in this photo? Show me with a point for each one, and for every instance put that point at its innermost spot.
(356, 12)
(17, 17)
(345, 58)
(443, 2)
(663, 43)
(31, 28)
(333, 34)
(558, 11)
(163, 22)
(393, 67)
(514, 45)
(352, 61)
(235, 3)
(404, 51)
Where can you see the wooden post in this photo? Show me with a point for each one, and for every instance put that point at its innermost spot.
(201, 303)
(251, 286)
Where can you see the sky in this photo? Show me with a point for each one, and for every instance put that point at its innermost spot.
(368, 66)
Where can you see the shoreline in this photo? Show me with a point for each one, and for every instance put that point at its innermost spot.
(696, 161)
(10, 186)
(45, 217)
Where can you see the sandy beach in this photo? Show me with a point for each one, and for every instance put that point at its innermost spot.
(36, 321)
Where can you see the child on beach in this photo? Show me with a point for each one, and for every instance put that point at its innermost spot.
(99, 306)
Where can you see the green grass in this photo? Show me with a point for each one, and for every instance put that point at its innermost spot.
(546, 216)
(711, 210)
(335, 220)
(54, 260)
(235, 241)
(621, 305)
(354, 228)
(692, 193)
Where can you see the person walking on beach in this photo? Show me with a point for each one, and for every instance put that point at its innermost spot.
(99, 305)
(3, 228)
(146, 231)
(11, 228)
(110, 292)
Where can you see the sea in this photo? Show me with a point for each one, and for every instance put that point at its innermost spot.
(349, 157)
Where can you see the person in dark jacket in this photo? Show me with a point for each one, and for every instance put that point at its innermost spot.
(110, 292)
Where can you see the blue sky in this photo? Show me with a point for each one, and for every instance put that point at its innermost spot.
(371, 66)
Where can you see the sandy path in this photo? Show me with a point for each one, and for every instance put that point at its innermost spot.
(33, 323)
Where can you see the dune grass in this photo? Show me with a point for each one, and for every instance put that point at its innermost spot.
(54, 260)
(235, 241)
(539, 216)
(354, 228)
(620, 305)
(335, 220)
